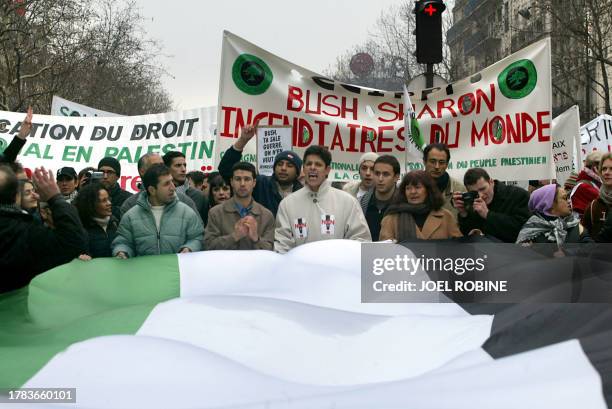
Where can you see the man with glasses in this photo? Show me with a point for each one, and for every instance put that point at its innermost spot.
(111, 170)
(436, 157)
(240, 223)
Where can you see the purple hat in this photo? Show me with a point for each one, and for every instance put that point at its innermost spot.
(542, 199)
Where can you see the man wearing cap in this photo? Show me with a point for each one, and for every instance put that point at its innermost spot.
(111, 170)
(67, 182)
(269, 190)
(366, 174)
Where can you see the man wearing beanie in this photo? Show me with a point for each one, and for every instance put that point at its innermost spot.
(269, 190)
(366, 174)
(111, 170)
(435, 158)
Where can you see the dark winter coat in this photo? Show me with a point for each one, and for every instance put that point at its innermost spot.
(99, 240)
(117, 197)
(508, 212)
(28, 248)
(12, 150)
(597, 221)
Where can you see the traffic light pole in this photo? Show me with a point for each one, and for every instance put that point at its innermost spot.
(429, 76)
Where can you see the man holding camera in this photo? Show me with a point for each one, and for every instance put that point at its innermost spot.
(490, 208)
(435, 158)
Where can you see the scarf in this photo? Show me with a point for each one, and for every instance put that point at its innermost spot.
(183, 188)
(406, 226)
(69, 198)
(102, 221)
(553, 229)
(442, 182)
(593, 175)
(605, 194)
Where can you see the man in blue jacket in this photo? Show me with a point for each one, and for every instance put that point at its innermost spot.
(269, 190)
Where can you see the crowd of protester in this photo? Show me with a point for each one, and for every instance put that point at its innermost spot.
(48, 219)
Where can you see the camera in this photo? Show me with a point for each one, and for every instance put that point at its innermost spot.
(92, 177)
(469, 197)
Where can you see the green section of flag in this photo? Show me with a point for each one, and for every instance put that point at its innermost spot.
(78, 301)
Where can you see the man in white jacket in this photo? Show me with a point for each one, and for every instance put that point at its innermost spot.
(318, 211)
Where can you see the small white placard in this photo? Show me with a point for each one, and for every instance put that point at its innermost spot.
(271, 140)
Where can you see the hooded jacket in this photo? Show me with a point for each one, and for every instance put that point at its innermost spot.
(179, 227)
(306, 216)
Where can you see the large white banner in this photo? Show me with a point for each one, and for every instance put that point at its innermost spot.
(63, 107)
(498, 119)
(79, 142)
(597, 135)
(566, 143)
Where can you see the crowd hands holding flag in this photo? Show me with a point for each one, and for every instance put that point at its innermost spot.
(48, 220)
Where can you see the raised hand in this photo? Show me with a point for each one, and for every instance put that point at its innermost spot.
(26, 125)
(246, 134)
(44, 181)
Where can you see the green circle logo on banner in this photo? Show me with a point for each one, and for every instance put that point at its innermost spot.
(415, 134)
(251, 74)
(3, 145)
(518, 79)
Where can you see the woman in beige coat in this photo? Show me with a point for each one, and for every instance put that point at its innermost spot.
(417, 212)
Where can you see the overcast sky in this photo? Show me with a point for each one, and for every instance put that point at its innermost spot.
(311, 34)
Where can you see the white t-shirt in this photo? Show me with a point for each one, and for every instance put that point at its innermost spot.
(157, 214)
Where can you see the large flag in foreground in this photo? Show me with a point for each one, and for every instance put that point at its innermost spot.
(257, 329)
